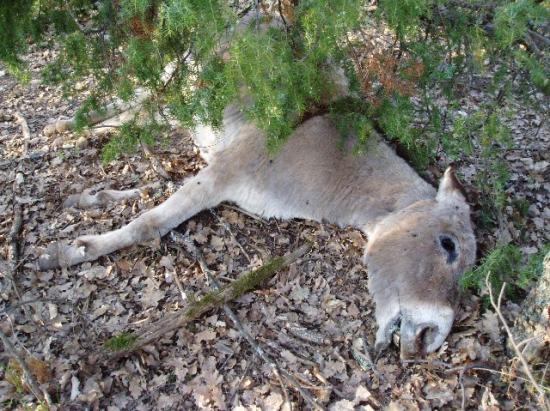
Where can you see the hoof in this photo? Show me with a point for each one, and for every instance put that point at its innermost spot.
(50, 257)
(59, 254)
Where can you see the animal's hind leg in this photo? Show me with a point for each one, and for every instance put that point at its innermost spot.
(90, 198)
(197, 193)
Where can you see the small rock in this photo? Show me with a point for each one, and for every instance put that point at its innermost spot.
(81, 85)
(19, 179)
(533, 210)
(540, 166)
(81, 142)
(529, 250)
(57, 161)
(539, 222)
(528, 161)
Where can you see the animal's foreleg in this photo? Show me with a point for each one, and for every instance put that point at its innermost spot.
(197, 193)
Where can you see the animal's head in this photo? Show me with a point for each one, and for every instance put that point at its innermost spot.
(415, 257)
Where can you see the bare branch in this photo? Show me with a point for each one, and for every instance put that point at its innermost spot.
(496, 306)
(211, 300)
(41, 395)
(258, 350)
(24, 130)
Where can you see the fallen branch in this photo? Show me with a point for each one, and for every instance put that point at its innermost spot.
(41, 395)
(95, 117)
(280, 373)
(13, 245)
(496, 306)
(128, 343)
(275, 368)
(233, 237)
(113, 109)
(24, 130)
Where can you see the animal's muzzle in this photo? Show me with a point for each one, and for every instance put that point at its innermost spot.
(419, 339)
(422, 327)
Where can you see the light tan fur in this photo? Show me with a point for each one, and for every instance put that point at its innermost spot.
(411, 275)
(420, 239)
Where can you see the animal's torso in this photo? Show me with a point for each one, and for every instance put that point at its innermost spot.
(311, 176)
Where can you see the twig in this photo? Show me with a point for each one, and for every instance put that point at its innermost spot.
(282, 14)
(543, 376)
(180, 287)
(540, 37)
(477, 367)
(155, 163)
(41, 395)
(241, 210)
(197, 254)
(95, 117)
(462, 391)
(15, 306)
(24, 130)
(364, 360)
(213, 299)
(233, 237)
(234, 390)
(13, 246)
(258, 350)
(17, 224)
(526, 368)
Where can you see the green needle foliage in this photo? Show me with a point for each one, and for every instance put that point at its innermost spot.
(504, 264)
(126, 44)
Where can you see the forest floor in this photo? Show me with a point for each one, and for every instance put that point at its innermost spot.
(313, 317)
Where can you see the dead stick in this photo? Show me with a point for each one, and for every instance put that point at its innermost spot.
(113, 109)
(13, 251)
(258, 350)
(213, 299)
(41, 395)
(24, 130)
(13, 246)
(13, 236)
(95, 117)
(233, 237)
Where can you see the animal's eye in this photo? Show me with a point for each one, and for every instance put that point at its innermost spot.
(448, 244)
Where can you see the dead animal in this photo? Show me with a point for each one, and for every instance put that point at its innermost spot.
(420, 239)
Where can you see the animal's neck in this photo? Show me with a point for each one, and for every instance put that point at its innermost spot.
(388, 183)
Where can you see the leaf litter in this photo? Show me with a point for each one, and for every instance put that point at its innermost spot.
(309, 317)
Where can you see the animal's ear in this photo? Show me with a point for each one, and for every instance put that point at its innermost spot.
(450, 188)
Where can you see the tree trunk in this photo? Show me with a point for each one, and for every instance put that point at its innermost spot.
(532, 326)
